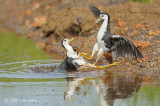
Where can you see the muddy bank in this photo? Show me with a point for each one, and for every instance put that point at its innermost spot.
(48, 22)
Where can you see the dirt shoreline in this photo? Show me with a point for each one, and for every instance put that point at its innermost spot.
(48, 22)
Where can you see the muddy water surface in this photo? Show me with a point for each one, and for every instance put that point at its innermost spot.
(21, 86)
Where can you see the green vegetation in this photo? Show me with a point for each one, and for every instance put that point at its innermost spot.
(142, 1)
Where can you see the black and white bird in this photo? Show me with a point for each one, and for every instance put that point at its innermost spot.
(117, 45)
(73, 59)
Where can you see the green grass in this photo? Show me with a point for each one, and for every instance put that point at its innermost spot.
(142, 1)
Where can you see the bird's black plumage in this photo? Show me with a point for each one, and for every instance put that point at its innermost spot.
(118, 45)
(96, 12)
(75, 49)
(122, 47)
(67, 64)
(72, 60)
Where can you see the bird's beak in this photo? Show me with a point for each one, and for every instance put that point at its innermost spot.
(70, 40)
(98, 20)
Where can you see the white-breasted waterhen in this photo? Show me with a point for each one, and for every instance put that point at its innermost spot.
(117, 45)
(74, 60)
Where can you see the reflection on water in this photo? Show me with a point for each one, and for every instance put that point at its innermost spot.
(109, 87)
(28, 78)
(117, 87)
(73, 85)
(111, 90)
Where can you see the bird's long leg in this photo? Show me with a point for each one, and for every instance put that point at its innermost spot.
(99, 55)
(82, 54)
(100, 67)
(89, 52)
(95, 49)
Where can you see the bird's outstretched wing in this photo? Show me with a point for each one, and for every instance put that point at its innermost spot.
(95, 11)
(122, 47)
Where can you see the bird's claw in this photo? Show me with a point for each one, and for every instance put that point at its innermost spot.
(89, 52)
(83, 68)
(101, 67)
(82, 54)
(95, 63)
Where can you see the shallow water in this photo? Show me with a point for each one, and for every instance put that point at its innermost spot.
(21, 86)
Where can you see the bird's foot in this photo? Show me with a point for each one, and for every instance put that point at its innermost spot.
(82, 54)
(101, 67)
(89, 52)
(88, 58)
(95, 63)
(89, 66)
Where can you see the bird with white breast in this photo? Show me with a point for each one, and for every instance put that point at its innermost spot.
(117, 45)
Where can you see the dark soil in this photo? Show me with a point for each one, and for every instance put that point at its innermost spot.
(50, 21)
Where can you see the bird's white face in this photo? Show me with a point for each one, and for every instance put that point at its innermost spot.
(104, 16)
(65, 42)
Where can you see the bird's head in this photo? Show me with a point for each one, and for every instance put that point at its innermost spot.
(66, 41)
(102, 17)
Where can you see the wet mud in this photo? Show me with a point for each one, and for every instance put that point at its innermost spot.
(48, 22)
